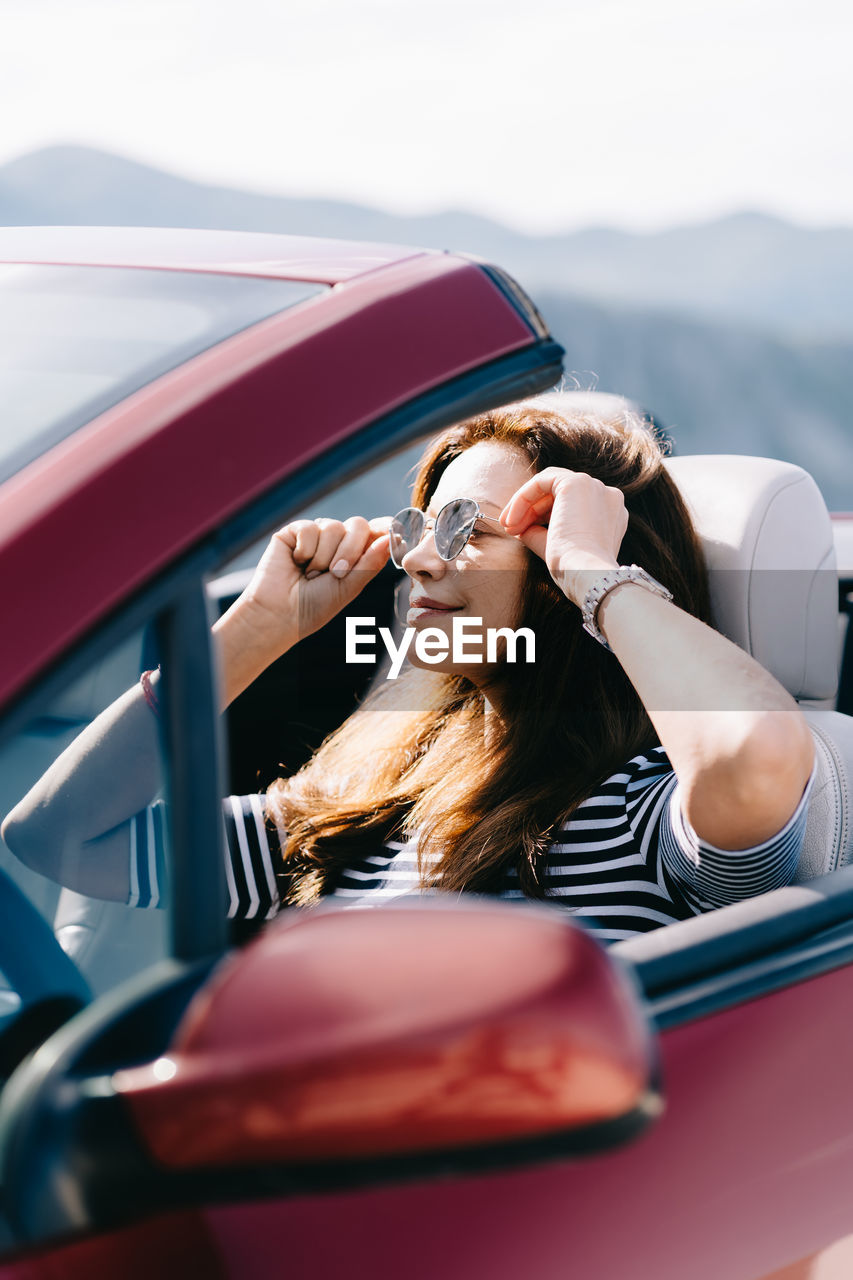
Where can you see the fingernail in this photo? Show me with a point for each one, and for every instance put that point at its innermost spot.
(312, 573)
(340, 568)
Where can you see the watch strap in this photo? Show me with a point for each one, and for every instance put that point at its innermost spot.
(603, 585)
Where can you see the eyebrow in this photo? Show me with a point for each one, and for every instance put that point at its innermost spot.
(430, 511)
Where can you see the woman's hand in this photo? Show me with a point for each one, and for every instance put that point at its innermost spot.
(573, 521)
(310, 570)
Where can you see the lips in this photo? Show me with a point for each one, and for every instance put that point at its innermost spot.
(432, 606)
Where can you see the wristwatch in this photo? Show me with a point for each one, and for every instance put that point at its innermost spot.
(614, 578)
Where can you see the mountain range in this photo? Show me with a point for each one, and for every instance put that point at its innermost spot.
(736, 333)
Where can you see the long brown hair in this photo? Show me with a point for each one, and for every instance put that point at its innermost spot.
(416, 755)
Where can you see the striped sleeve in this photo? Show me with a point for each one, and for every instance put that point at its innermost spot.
(252, 847)
(710, 877)
(147, 865)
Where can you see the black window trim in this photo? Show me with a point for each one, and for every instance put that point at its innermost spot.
(810, 958)
(195, 776)
(714, 961)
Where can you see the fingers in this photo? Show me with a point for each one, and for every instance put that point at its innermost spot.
(335, 546)
(347, 552)
(570, 519)
(337, 543)
(532, 503)
(536, 539)
(374, 557)
(302, 537)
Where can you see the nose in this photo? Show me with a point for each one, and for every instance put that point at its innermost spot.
(424, 560)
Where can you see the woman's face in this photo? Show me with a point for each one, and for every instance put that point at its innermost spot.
(485, 580)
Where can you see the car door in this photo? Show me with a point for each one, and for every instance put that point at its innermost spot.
(734, 1162)
(743, 1171)
(745, 1174)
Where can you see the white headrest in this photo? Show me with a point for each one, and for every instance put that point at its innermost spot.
(768, 544)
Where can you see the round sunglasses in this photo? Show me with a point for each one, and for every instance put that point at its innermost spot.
(452, 528)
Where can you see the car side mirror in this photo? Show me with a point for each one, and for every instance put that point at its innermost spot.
(350, 1044)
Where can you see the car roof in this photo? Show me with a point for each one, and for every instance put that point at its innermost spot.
(244, 253)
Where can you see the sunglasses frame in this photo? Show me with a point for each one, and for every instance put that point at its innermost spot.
(433, 520)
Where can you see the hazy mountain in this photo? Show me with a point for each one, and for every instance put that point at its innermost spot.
(737, 334)
(748, 268)
(717, 389)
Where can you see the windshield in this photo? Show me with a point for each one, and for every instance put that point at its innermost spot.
(76, 340)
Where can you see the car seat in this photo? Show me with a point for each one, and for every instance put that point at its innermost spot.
(768, 544)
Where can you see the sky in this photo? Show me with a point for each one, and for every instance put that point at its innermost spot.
(544, 114)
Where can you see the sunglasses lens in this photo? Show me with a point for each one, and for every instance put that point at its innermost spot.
(407, 529)
(453, 527)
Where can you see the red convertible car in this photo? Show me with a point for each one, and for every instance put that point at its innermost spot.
(438, 1088)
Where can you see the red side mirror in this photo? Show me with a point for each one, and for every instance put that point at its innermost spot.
(431, 1026)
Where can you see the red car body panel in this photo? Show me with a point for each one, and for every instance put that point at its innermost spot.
(747, 1172)
(180, 1246)
(125, 494)
(749, 1169)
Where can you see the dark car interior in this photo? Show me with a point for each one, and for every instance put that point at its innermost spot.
(280, 721)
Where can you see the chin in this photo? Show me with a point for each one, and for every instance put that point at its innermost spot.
(478, 673)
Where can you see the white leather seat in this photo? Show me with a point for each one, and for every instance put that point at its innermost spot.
(768, 543)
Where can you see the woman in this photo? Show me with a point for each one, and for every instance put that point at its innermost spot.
(638, 771)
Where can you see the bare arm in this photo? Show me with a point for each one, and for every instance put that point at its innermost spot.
(736, 739)
(739, 744)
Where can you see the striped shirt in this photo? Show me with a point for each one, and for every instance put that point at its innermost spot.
(627, 861)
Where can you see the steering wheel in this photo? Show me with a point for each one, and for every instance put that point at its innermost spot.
(31, 959)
